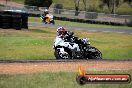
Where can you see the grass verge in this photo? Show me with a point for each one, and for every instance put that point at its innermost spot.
(55, 80)
(36, 43)
(68, 23)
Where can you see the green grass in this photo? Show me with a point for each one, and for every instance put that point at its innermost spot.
(36, 43)
(55, 80)
(68, 23)
(19, 1)
(32, 44)
(124, 9)
(1, 5)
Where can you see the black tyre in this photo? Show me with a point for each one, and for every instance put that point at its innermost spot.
(24, 19)
(6, 25)
(58, 55)
(17, 21)
(0, 20)
(16, 26)
(94, 53)
(6, 21)
(81, 80)
(25, 22)
(25, 25)
(52, 22)
(45, 23)
(0, 24)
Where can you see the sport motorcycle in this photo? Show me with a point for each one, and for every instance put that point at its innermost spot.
(75, 48)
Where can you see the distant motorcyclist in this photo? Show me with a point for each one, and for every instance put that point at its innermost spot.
(47, 18)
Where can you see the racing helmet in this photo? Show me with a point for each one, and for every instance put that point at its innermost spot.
(46, 11)
(61, 31)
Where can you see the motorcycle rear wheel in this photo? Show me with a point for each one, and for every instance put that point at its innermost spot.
(96, 54)
(52, 22)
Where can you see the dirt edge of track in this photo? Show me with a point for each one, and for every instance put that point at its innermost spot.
(26, 68)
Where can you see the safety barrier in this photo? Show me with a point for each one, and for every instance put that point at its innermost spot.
(83, 16)
(13, 19)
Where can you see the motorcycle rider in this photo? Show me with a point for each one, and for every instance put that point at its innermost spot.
(45, 13)
(47, 17)
(62, 33)
(68, 36)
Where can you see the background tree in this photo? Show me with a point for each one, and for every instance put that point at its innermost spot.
(85, 4)
(111, 4)
(129, 2)
(76, 7)
(39, 3)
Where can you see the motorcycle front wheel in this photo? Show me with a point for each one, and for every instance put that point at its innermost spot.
(59, 55)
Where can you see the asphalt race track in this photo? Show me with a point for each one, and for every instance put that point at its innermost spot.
(116, 30)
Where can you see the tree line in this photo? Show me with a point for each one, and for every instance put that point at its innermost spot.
(111, 4)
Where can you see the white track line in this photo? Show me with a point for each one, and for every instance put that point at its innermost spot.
(106, 31)
(92, 30)
(121, 32)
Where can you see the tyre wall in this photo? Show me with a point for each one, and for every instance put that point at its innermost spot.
(15, 20)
